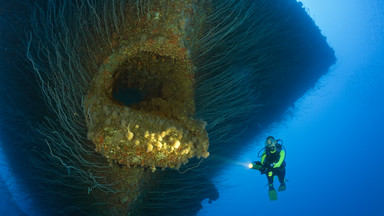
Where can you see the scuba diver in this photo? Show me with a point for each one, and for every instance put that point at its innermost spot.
(272, 164)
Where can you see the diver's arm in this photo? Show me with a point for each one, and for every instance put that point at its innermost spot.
(263, 158)
(281, 160)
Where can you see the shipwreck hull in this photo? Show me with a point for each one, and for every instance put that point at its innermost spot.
(139, 104)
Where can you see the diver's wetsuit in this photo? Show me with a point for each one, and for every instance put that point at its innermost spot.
(277, 157)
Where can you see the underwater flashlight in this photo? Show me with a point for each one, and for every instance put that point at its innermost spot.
(255, 165)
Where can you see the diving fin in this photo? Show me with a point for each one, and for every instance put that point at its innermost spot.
(272, 194)
(282, 187)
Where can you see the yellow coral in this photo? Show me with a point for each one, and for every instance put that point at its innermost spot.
(176, 144)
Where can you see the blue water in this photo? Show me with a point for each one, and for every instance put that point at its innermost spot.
(334, 139)
(332, 135)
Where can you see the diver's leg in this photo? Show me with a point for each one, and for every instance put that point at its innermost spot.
(270, 180)
(271, 192)
(281, 176)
